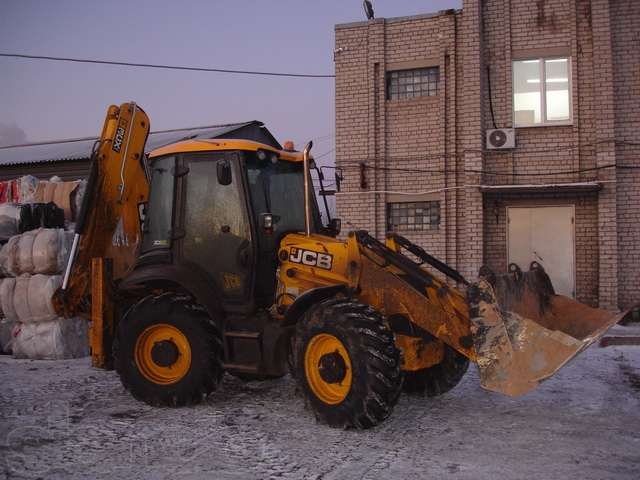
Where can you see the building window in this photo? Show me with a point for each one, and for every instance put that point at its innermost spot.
(418, 82)
(542, 92)
(413, 216)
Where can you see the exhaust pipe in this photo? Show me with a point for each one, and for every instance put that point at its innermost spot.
(307, 189)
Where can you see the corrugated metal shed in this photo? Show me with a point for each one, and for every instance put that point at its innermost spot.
(80, 149)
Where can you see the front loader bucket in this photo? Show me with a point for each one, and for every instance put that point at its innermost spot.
(523, 332)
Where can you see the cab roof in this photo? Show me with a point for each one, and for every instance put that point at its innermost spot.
(221, 144)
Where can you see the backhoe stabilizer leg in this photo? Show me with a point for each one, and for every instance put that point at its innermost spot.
(102, 329)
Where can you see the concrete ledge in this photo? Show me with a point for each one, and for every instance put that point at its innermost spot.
(580, 187)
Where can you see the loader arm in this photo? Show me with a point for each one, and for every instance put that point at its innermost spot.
(514, 326)
(108, 223)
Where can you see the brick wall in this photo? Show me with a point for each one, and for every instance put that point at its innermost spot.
(445, 134)
(625, 15)
(393, 134)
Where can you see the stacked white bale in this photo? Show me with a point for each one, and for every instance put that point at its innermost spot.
(54, 340)
(9, 320)
(36, 259)
(32, 263)
(32, 297)
(9, 255)
(7, 288)
(38, 333)
(27, 188)
(63, 194)
(6, 335)
(51, 249)
(24, 260)
(45, 250)
(9, 220)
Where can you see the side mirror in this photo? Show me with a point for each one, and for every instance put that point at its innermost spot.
(223, 170)
(334, 227)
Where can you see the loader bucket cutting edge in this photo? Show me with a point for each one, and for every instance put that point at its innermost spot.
(523, 332)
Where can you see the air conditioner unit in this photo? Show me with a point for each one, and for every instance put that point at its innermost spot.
(501, 138)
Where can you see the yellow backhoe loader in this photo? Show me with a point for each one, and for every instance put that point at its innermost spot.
(222, 264)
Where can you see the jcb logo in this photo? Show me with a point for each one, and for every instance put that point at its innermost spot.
(119, 138)
(311, 258)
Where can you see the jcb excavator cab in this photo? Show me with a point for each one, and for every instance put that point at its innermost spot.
(218, 210)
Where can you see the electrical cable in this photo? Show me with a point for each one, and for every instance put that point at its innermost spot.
(493, 117)
(358, 163)
(529, 174)
(488, 172)
(324, 154)
(460, 187)
(162, 66)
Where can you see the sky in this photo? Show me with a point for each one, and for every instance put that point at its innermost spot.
(44, 100)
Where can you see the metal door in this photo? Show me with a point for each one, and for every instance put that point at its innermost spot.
(217, 229)
(544, 235)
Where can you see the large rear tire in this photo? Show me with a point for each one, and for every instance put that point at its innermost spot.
(347, 364)
(167, 351)
(438, 379)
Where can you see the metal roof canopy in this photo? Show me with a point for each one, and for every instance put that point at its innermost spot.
(80, 148)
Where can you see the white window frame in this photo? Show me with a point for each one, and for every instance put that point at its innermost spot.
(543, 93)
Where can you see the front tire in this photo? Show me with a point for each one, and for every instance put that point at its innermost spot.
(167, 351)
(347, 364)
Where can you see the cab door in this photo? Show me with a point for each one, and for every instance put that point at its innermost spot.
(217, 229)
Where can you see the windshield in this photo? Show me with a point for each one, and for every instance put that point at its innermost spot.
(278, 188)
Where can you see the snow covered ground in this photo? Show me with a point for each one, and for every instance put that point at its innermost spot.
(63, 419)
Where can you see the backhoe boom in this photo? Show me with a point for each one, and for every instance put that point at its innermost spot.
(117, 185)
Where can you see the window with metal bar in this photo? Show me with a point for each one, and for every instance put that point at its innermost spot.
(413, 216)
(417, 82)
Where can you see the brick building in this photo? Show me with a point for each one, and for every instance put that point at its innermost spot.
(416, 95)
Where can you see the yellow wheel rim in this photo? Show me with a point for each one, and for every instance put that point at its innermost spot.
(327, 367)
(163, 354)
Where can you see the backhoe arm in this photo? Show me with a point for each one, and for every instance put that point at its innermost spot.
(117, 185)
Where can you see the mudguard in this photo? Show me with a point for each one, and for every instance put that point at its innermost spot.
(309, 298)
(181, 276)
